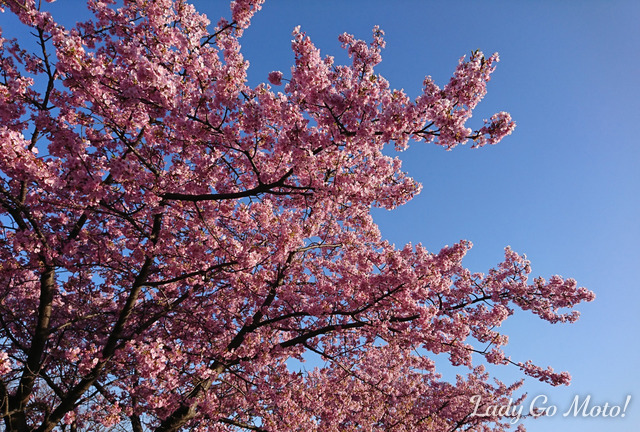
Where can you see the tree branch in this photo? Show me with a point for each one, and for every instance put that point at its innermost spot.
(32, 367)
(242, 425)
(68, 402)
(260, 189)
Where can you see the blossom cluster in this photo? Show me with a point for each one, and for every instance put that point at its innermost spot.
(172, 238)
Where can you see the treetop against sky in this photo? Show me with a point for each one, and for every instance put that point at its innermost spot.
(173, 236)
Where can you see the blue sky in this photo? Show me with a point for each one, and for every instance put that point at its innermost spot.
(563, 188)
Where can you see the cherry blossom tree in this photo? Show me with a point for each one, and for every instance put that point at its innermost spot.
(171, 237)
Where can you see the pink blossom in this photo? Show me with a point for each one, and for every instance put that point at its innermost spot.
(174, 237)
(5, 363)
(275, 77)
(69, 418)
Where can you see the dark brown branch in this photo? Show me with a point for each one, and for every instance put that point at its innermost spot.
(212, 36)
(32, 366)
(187, 410)
(191, 274)
(75, 393)
(13, 209)
(242, 425)
(320, 331)
(260, 189)
(136, 424)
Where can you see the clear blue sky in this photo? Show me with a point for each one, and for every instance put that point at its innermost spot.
(563, 188)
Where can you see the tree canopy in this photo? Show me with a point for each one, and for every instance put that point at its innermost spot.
(171, 236)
